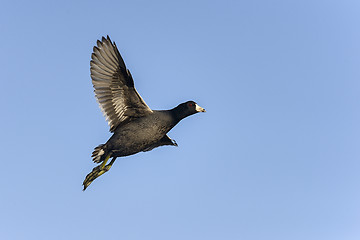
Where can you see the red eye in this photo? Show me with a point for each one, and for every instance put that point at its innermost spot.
(190, 104)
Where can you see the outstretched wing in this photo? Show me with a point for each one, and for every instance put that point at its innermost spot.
(114, 86)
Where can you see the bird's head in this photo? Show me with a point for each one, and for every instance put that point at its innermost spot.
(192, 107)
(186, 109)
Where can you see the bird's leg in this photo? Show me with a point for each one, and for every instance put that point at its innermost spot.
(98, 171)
(107, 167)
(104, 162)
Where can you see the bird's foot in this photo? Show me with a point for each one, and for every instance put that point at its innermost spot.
(97, 172)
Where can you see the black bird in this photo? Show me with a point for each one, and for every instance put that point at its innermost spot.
(135, 126)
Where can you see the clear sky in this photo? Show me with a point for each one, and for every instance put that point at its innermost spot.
(276, 156)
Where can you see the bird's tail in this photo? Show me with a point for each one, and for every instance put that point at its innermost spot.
(98, 154)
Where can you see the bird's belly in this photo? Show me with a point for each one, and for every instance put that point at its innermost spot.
(131, 140)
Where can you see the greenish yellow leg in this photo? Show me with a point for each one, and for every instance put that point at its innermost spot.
(104, 162)
(107, 167)
(98, 171)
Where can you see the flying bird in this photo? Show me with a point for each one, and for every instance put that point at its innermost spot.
(135, 127)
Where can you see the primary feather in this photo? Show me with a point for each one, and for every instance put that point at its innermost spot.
(114, 86)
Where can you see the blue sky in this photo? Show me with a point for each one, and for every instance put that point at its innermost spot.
(276, 156)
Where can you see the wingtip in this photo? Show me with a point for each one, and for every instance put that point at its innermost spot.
(104, 40)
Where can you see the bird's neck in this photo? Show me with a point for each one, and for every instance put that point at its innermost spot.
(179, 113)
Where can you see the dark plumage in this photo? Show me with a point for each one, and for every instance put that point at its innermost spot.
(135, 126)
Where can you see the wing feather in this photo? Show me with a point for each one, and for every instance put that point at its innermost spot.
(113, 85)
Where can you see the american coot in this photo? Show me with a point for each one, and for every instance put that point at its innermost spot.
(135, 126)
